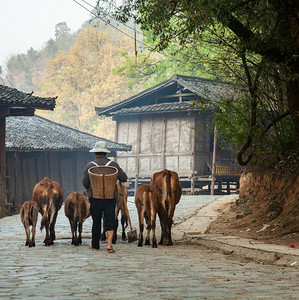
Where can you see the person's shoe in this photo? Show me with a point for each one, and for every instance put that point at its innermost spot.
(95, 249)
(111, 250)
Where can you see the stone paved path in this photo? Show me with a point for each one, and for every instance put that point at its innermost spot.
(63, 271)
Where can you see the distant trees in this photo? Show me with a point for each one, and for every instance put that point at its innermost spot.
(22, 70)
(61, 30)
(83, 78)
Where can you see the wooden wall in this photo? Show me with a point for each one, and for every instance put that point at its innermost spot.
(158, 142)
(25, 169)
(182, 142)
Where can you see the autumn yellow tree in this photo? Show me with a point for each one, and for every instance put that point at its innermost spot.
(84, 78)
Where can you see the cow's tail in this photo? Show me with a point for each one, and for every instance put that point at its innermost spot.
(44, 220)
(124, 221)
(168, 183)
(73, 214)
(147, 202)
(49, 213)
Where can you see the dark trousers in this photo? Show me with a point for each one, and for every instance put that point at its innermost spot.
(97, 208)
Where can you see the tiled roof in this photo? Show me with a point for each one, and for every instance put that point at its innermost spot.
(13, 97)
(163, 107)
(39, 134)
(206, 89)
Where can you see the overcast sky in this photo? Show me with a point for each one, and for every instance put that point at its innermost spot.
(31, 23)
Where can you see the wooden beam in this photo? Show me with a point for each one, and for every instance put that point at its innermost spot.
(193, 156)
(4, 110)
(22, 111)
(164, 143)
(214, 162)
(138, 141)
(3, 195)
(177, 95)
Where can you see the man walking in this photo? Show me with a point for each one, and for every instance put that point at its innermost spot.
(98, 206)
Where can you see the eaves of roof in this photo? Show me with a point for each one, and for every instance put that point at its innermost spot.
(15, 98)
(157, 108)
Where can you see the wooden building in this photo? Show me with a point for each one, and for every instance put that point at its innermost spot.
(37, 147)
(15, 103)
(166, 130)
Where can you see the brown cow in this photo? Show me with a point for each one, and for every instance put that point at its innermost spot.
(168, 186)
(48, 195)
(77, 210)
(29, 214)
(147, 203)
(122, 207)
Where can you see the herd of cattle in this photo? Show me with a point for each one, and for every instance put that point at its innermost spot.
(157, 198)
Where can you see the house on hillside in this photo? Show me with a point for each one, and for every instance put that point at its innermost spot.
(159, 123)
(37, 147)
(15, 103)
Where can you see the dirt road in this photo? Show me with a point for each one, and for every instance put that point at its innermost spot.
(63, 271)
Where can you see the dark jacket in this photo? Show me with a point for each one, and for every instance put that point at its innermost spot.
(102, 161)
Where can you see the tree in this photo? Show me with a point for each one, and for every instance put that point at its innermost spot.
(260, 38)
(83, 78)
(23, 69)
(62, 30)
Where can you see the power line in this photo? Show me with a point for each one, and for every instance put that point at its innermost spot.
(6, 79)
(146, 46)
(94, 7)
(2, 81)
(108, 22)
(105, 21)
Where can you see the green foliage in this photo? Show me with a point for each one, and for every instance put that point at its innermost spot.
(250, 44)
(61, 30)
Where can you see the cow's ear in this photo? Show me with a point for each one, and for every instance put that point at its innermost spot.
(85, 194)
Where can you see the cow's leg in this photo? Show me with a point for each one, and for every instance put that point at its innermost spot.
(33, 230)
(27, 230)
(161, 218)
(80, 233)
(47, 240)
(169, 225)
(52, 227)
(166, 230)
(148, 229)
(154, 232)
(72, 231)
(123, 227)
(141, 227)
(164, 227)
(117, 210)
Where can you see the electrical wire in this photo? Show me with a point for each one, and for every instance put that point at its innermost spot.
(6, 79)
(105, 21)
(151, 49)
(94, 7)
